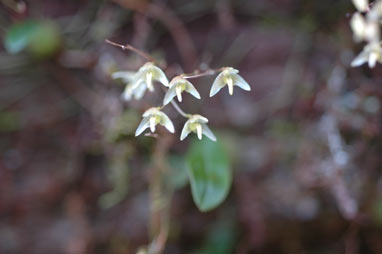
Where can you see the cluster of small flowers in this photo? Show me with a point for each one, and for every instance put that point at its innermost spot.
(365, 25)
(138, 82)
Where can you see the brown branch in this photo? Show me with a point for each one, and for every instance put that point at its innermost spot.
(129, 47)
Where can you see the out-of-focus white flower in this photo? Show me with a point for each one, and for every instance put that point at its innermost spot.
(137, 91)
(372, 53)
(230, 77)
(126, 76)
(134, 88)
(358, 24)
(364, 29)
(372, 32)
(153, 117)
(198, 125)
(177, 86)
(361, 5)
(376, 11)
(149, 73)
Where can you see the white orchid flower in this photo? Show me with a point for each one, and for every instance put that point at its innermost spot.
(230, 77)
(126, 76)
(198, 125)
(149, 73)
(134, 88)
(376, 11)
(358, 24)
(153, 117)
(372, 53)
(364, 29)
(137, 91)
(361, 5)
(177, 86)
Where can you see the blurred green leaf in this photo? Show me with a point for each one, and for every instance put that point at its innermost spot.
(177, 176)
(41, 38)
(19, 35)
(222, 235)
(209, 173)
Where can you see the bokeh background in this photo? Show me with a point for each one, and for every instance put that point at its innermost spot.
(305, 144)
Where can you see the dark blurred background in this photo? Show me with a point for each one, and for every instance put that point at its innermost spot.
(305, 143)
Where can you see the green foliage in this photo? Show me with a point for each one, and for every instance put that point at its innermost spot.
(40, 38)
(177, 176)
(209, 173)
(221, 236)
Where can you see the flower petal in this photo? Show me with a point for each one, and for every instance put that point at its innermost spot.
(217, 85)
(152, 123)
(358, 24)
(199, 131)
(371, 31)
(373, 57)
(185, 131)
(240, 82)
(139, 91)
(149, 81)
(362, 58)
(361, 5)
(127, 76)
(127, 92)
(150, 111)
(199, 118)
(170, 94)
(159, 75)
(166, 122)
(376, 11)
(179, 91)
(207, 132)
(145, 123)
(192, 90)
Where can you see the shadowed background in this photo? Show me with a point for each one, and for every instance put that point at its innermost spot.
(305, 143)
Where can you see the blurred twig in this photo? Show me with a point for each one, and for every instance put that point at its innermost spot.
(159, 223)
(129, 47)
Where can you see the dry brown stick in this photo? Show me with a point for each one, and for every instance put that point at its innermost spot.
(159, 223)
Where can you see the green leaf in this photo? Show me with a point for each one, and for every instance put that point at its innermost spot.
(209, 173)
(222, 235)
(177, 175)
(19, 35)
(41, 38)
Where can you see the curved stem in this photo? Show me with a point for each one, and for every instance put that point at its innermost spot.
(180, 111)
(129, 47)
(176, 106)
(198, 74)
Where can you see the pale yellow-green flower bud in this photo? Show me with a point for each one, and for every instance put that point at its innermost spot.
(230, 77)
(153, 117)
(177, 86)
(150, 73)
(134, 88)
(198, 125)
